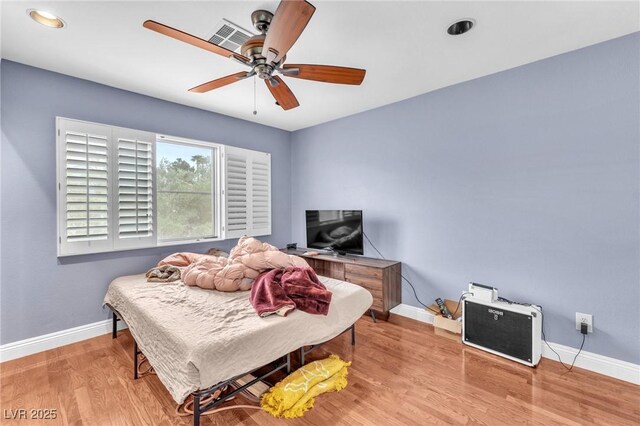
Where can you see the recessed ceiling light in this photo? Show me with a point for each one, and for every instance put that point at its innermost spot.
(461, 26)
(45, 18)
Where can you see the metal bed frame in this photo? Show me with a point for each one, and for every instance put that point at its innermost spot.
(283, 362)
(304, 351)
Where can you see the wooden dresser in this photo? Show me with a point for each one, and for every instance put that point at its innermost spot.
(380, 277)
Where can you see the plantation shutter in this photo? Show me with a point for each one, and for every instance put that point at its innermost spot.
(237, 206)
(133, 188)
(247, 192)
(84, 221)
(107, 198)
(260, 193)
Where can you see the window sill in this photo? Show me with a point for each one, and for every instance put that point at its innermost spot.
(157, 245)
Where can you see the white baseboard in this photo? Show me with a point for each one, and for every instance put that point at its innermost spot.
(413, 312)
(54, 340)
(611, 367)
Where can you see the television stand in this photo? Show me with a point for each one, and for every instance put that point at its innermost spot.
(380, 277)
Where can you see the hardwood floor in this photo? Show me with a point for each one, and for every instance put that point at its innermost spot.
(402, 373)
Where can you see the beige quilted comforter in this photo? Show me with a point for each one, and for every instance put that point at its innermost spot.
(195, 338)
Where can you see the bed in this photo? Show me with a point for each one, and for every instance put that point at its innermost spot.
(196, 339)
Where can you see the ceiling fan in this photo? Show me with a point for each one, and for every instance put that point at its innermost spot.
(266, 53)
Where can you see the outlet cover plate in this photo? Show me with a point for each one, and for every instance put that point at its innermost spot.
(588, 318)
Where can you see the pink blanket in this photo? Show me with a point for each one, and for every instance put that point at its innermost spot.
(235, 272)
(280, 291)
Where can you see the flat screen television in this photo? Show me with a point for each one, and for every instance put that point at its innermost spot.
(336, 230)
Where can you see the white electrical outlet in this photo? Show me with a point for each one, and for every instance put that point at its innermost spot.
(588, 318)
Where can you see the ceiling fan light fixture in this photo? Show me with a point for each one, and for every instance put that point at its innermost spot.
(265, 54)
(460, 27)
(45, 18)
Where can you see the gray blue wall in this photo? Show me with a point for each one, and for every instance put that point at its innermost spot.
(41, 293)
(528, 180)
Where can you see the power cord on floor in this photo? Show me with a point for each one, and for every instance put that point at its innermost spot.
(402, 276)
(544, 338)
(459, 302)
(502, 299)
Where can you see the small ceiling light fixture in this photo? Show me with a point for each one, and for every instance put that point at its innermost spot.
(461, 26)
(46, 18)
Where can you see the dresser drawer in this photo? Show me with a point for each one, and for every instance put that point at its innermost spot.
(380, 277)
(367, 282)
(373, 286)
(367, 271)
(376, 291)
(317, 266)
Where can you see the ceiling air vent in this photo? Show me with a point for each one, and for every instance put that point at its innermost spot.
(229, 35)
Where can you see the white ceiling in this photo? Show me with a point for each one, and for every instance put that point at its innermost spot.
(403, 46)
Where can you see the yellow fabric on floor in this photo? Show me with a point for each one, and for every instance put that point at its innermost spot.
(296, 394)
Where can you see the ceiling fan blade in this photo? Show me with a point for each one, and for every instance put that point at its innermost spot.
(325, 73)
(220, 82)
(281, 92)
(192, 40)
(290, 19)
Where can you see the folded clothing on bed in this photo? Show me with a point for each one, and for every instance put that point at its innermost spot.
(280, 291)
(163, 274)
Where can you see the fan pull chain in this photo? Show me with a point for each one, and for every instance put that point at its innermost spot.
(255, 108)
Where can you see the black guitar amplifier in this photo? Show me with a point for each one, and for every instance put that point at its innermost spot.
(509, 330)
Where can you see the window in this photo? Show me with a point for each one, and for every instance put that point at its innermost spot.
(185, 188)
(123, 189)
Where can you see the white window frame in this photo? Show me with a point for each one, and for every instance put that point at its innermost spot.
(217, 189)
(113, 243)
